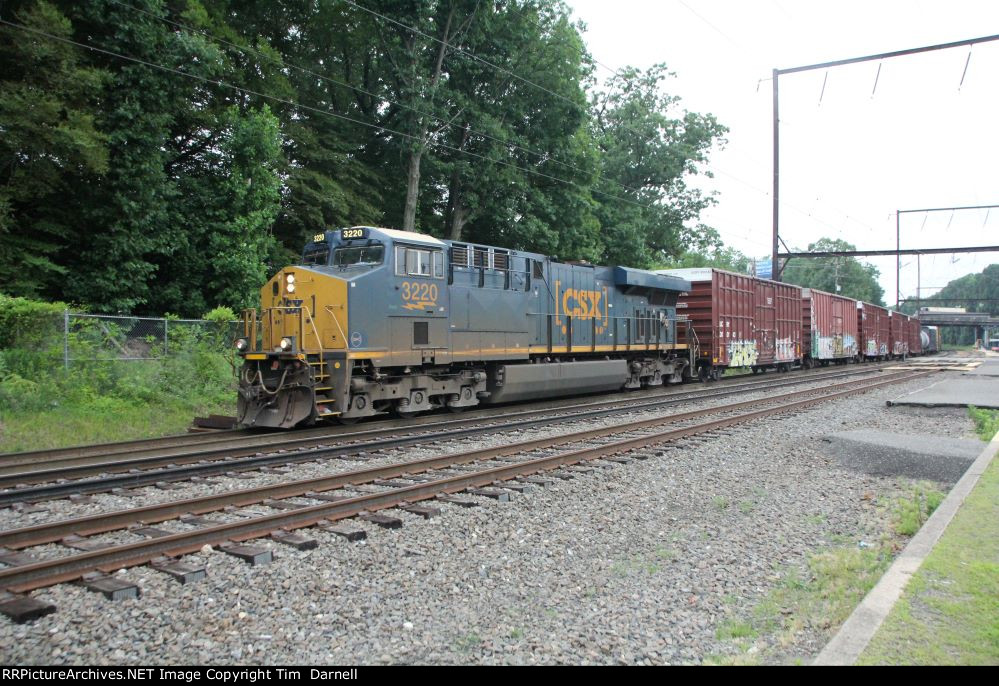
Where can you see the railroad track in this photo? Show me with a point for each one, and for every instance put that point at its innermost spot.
(85, 475)
(234, 439)
(512, 466)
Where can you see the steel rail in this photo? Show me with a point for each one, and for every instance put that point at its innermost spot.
(174, 446)
(49, 572)
(151, 514)
(222, 460)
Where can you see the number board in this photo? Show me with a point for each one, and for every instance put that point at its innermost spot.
(348, 234)
(319, 238)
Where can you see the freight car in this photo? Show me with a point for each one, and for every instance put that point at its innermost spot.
(376, 320)
(874, 328)
(829, 328)
(739, 320)
(915, 340)
(898, 335)
(930, 337)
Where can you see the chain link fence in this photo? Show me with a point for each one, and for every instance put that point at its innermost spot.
(97, 337)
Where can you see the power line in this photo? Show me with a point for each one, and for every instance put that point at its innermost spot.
(503, 70)
(463, 52)
(545, 156)
(285, 101)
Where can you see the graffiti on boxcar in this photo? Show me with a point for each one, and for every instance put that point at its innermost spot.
(742, 353)
(785, 350)
(834, 347)
(872, 348)
(849, 346)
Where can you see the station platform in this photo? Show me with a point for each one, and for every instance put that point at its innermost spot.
(978, 386)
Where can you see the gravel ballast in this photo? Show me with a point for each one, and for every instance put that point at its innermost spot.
(635, 563)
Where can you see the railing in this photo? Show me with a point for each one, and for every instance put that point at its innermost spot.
(636, 333)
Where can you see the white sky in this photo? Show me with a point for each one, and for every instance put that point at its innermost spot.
(849, 161)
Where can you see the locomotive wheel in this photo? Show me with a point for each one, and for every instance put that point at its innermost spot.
(404, 414)
(456, 410)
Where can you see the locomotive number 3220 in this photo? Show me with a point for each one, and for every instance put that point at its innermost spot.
(421, 292)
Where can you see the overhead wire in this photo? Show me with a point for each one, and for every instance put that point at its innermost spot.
(316, 110)
(545, 156)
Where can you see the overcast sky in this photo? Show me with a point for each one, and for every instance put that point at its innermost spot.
(851, 155)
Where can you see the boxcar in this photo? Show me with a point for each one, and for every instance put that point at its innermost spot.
(873, 325)
(829, 328)
(740, 321)
(898, 335)
(915, 339)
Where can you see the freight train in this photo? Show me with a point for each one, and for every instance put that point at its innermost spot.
(377, 320)
(374, 321)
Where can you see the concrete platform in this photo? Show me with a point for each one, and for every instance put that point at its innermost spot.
(989, 367)
(914, 456)
(979, 387)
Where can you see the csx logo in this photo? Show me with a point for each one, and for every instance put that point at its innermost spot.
(580, 303)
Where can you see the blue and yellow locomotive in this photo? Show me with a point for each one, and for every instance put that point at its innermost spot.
(377, 320)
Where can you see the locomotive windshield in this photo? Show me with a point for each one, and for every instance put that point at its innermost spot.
(366, 255)
(319, 254)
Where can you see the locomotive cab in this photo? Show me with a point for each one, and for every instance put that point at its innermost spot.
(322, 323)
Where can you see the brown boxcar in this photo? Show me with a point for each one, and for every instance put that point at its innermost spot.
(915, 337)
(741, 321)
(898, 335)
(829, 328)
(873, 325)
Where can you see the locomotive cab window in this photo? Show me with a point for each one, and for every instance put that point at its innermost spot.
(319, 255)
(419, 262)
(357, 256)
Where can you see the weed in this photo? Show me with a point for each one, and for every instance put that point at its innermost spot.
(986, 422)
(467, 643)
(720, 502)
(910, 511)
(730, 629)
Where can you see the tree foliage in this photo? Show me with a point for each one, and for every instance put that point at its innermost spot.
(199, 143)
(974, 292)
(846, 276)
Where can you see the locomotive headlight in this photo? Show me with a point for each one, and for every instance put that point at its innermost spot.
(290, 278)
(242, 344)
(286, 344)
(290, 288)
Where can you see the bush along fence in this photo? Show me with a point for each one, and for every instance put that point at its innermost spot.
(51, 356)
(91, 337)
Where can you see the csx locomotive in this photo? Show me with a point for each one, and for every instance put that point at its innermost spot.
(377, 320)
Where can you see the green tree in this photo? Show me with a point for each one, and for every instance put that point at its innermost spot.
(49, 145)
(846, 276)
(649, 149)
(973, 292)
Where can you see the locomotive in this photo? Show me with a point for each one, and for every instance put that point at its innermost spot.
(376, 320)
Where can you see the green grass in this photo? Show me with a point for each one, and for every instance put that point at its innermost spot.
(910, 512)
(100, 422)
(949, 612)
(986, 422)
(733, 629)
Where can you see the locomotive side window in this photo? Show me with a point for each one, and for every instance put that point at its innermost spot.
(417, 262)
